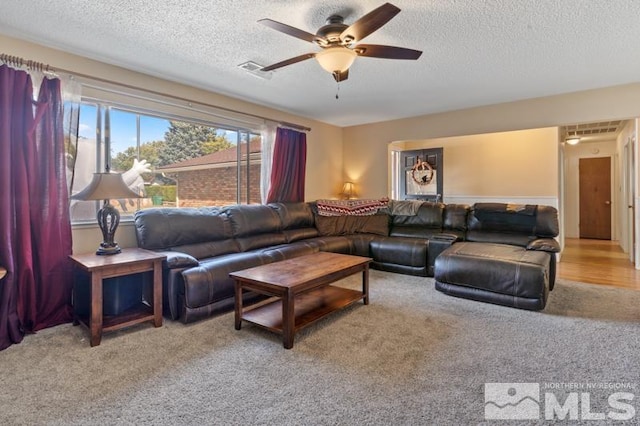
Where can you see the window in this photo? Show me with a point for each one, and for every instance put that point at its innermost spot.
(170, 161)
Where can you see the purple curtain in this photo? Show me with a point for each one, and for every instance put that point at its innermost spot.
(288, 167)
(50, 221)
(34, 216)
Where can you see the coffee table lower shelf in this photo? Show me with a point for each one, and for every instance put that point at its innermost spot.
(308, 308)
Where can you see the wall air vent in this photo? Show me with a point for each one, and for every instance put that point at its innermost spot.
(256, 70)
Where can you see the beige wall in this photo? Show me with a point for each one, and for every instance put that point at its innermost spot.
(511, 166)
(366, 146)
(324, 142)
(360, 153)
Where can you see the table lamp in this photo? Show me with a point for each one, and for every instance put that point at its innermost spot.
(105, 186)
(348, 190)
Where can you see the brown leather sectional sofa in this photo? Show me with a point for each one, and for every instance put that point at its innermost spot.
(203, 245)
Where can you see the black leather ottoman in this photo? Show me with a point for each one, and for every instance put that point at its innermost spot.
(496, 273)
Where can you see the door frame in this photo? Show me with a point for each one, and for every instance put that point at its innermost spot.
(569, 184)
(627, 237)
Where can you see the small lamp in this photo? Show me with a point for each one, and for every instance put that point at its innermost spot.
(105, 186)
(348, 190)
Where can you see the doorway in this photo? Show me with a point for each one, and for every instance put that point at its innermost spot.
(628, 162)
(421, 175)
(595, 198)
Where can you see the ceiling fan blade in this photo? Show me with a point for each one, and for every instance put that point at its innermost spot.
(289, 62)
(341, 76)
(369, 23)
(289, 30)
(389, 52)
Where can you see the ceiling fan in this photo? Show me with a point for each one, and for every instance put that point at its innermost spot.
(339, 42)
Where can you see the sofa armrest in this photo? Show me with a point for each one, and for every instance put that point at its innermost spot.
(544, 244)
(452, 238)
(437, 244)
(177, 259)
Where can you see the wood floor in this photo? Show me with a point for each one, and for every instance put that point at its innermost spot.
(597, 262)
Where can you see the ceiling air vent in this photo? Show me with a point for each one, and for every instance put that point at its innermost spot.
(256, 70)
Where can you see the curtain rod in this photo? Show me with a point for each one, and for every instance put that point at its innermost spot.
(39, 66)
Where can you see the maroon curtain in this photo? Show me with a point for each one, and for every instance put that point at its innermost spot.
(50, 223)
(34, 217)
(288, 167)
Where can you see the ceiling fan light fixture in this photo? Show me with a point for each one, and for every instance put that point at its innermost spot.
(336, 59)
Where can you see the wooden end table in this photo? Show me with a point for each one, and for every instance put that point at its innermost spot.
(130, 261)
(301, 290)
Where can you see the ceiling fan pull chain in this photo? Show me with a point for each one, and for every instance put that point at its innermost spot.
(338, 90)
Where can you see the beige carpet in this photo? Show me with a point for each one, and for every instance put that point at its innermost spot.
(413, 356)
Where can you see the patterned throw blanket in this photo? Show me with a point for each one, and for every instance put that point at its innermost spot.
(351, 207)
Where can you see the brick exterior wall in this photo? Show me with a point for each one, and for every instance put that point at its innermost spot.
(216, 186)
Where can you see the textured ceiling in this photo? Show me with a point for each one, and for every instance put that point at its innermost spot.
(476, 52)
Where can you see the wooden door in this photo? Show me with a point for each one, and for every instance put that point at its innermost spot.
(595, 198)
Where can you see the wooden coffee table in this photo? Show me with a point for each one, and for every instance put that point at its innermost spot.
(301, 291)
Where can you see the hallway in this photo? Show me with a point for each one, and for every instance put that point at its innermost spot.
(597, 262)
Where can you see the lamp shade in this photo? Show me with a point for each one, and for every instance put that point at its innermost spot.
(105, 186)
(348, 190)
(335, 59)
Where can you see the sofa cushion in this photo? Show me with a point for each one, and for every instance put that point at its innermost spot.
(496, 217)
(361, 243)
(252, 219)
(500, 268)
(300, 234)
(297, 220)
(428, 215)
(255, 226)
(400, 251)
(497, 273)
(294, 215)
(515, 224)
(455, 219)
(166, 228)
(345, 225)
